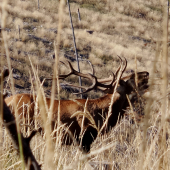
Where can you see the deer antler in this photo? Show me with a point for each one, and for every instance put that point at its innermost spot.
(122, 69)
(73, 71)
(95, 82)
(106, 80)
(93, 78)
(118, 74)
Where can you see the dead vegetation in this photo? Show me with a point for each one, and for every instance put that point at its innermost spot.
(133, 29)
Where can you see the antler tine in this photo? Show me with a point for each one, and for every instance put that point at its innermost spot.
(89, 88)
(125, 65)
(106, 85)
(109, 86)
(73, 71)
(63, 63)
(63, 76)
(93, 78)
(122, 69)
(89, 76)
(92, 68)
(96, 84)
(113, 79)
(116, 73)
(118, 69)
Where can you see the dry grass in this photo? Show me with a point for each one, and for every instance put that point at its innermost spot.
(126, 28)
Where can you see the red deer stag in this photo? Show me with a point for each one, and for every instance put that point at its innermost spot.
(96, 108)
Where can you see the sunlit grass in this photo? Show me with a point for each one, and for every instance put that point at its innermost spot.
(125, 28)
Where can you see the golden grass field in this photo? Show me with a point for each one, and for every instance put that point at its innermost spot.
(134, 29)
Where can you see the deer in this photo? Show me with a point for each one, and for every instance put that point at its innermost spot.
(10, 124)
(85, 127)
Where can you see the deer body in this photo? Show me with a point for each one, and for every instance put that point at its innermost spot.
(86, 133)
(98, 109)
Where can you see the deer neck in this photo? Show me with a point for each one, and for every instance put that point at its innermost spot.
(104, 102)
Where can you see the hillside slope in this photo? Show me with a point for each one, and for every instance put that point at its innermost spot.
(128, 28)
(124, 28)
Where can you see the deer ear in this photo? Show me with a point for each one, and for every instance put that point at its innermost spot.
(131, 85)
(122, 83)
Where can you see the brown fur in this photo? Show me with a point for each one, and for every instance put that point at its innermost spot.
(98, 108)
